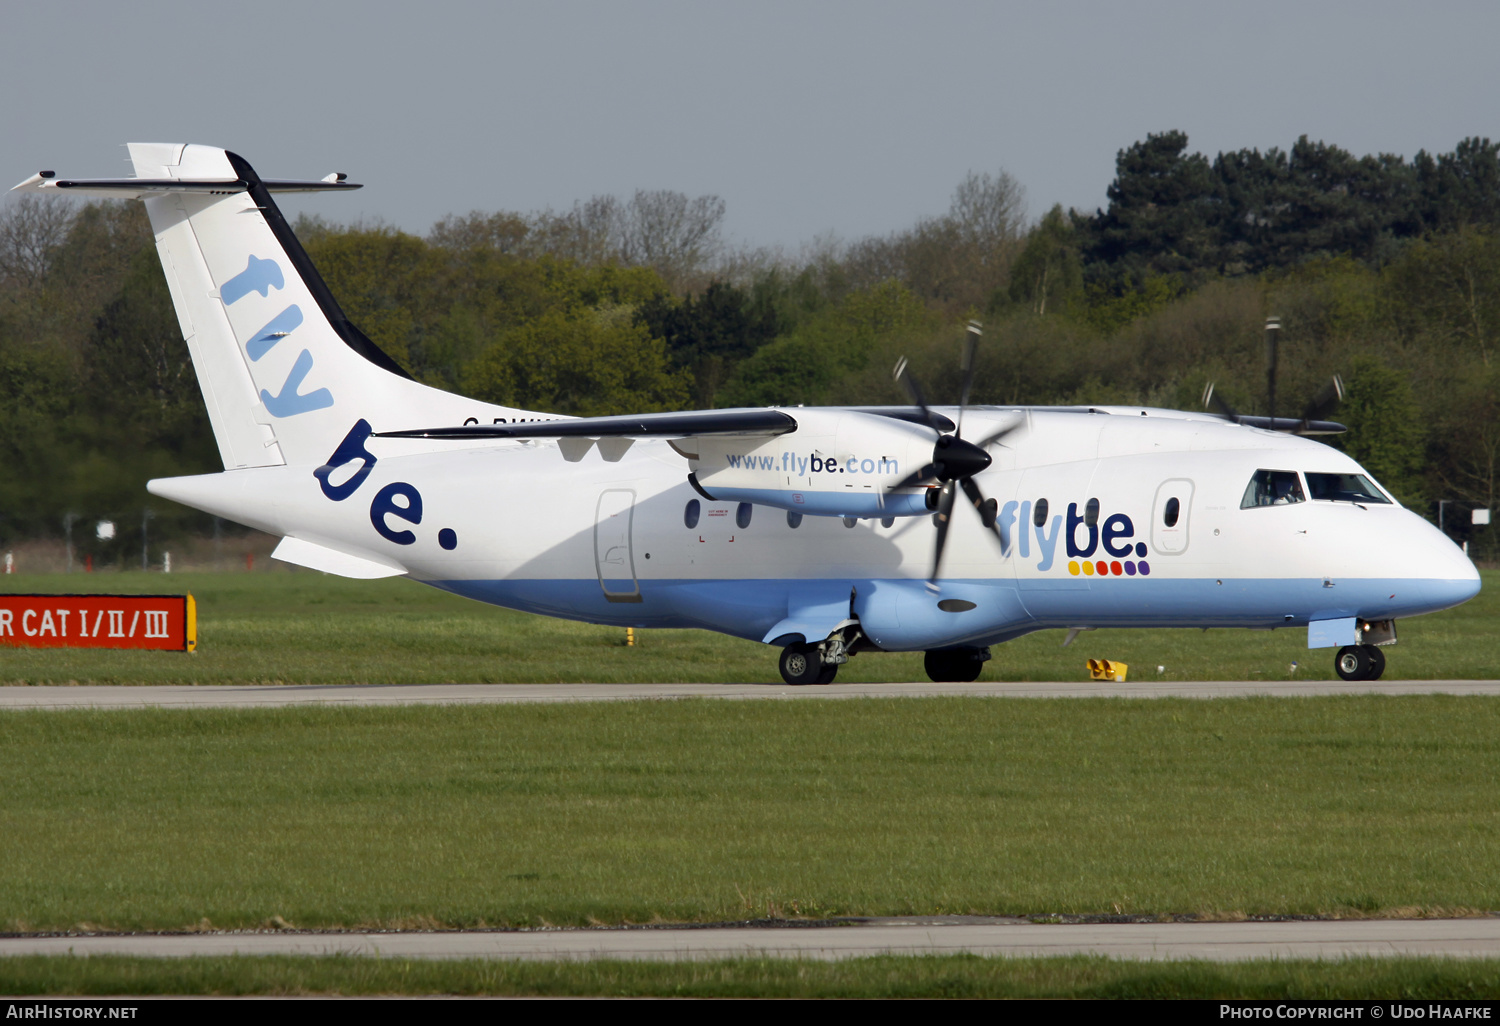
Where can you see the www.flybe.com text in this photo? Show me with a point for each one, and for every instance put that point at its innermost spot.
(803, 466)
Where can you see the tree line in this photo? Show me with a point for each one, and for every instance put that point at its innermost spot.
(1382, 269)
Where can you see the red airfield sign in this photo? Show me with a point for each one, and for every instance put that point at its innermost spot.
(162, 622)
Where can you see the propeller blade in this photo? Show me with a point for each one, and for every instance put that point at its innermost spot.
(926, 473)
(1323, 404)
(1002, 433)
(1211, 398)
(944, 518)
(971, 345)
(903, 374)
(988, 508)
(1273, 334)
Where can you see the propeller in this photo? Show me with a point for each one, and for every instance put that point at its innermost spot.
(1309, 423)
(1273, 336)
(1212, 398)
(955, 461)
(1322, 405)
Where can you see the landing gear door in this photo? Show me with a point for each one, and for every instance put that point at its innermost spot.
(613, 560)
(1169, 517)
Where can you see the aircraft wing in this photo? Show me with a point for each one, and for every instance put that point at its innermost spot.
(643, 425)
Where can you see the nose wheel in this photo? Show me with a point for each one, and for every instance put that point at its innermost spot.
(1359, 662)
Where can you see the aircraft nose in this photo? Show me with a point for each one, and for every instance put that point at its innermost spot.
(1448, 568)
(1462, 591)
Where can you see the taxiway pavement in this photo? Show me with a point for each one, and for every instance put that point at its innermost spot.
(1220, 942)
(282, 695)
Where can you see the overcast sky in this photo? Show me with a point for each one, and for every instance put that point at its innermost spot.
(808, 118)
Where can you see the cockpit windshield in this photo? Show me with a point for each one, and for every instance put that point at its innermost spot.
(1344, 488)
(1273, 488)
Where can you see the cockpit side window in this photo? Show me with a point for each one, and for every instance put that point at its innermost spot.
(1273, 488)
(1344, 488)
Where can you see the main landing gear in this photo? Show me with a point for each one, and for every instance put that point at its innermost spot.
(803, 664)
(955, 665)
(1359, 662)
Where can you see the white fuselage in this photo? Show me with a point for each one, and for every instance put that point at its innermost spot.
(611, 542)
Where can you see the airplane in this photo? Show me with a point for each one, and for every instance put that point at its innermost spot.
(824, 532)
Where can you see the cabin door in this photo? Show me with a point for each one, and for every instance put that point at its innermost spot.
(613, 560)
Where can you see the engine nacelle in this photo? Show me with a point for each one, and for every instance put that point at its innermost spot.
(838, 463)
(907, 616)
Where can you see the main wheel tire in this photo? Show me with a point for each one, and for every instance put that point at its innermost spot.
(800, 664)
(954, 666)
(1377, 662)
(830, 671)
(1352, 663)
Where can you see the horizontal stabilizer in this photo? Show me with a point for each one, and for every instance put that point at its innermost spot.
(646, 425)
(127, 187)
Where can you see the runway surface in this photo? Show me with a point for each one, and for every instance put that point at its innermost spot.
(276, 696)
(1220, 942)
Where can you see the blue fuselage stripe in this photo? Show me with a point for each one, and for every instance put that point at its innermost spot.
(749, 607)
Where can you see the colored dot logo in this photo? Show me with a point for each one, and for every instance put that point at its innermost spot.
(1108, 568)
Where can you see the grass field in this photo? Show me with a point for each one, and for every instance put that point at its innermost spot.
(702, 810)
(956, 976)
(307, 628)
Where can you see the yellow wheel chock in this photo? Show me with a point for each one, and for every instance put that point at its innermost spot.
(1104, 669)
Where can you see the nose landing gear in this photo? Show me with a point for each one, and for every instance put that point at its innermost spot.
(1359, 662)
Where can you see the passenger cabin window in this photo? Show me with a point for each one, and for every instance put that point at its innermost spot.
(1170, 514)
(793, 519)
(1091, 512)
(1039, 513)
(690, 514)
(742, 514)
(1344, 488)
(1273, 488)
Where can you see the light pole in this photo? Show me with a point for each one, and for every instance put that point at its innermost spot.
(146, 515)
(68, 520)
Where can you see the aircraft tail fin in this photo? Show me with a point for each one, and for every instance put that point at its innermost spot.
(284, 373)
